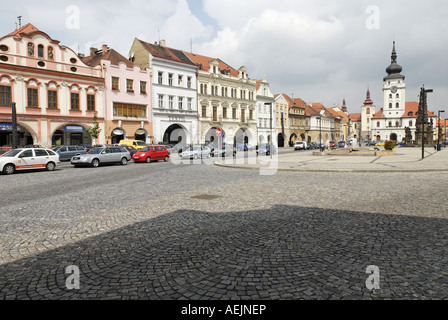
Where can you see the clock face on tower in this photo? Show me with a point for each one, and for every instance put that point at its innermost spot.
(394, 89)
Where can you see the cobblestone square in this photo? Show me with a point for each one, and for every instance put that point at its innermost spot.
(203, 232)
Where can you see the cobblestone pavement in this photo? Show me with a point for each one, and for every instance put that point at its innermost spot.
(175, 232)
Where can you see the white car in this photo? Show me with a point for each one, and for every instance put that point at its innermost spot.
(196, 152)
(28, 159)
(300, 145)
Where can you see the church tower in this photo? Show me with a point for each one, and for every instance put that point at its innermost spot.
(394, 92)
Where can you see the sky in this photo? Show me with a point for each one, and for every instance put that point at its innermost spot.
(317, 50)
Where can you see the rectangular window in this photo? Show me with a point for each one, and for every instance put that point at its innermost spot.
(129, 110)
(251, 114)
(224, 112)
(32, 98)
(190, 103)
(52, 99)
(170, 79)
(74, 104)
(215, 114)
(243, 115)
(161, 102)
(115, 83)
(90, 102)
(171, 102)
(189, 82)
(5, 96)
(129, 85)
(160, 77)
(143, 87)
(204, 111)
(180, 81)
(233, 113)
(181, 103)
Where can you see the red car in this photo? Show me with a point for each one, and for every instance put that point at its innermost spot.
(152, 153)
(333, 144)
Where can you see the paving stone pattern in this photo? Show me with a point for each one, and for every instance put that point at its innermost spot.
(142, 232)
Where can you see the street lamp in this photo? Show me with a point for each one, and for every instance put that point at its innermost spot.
(270, 140)
(424, 113)
(320, 133)
(440, 130)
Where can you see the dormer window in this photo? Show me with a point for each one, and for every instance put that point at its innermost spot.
(411, 114)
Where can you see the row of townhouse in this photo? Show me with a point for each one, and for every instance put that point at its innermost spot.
(156, 94)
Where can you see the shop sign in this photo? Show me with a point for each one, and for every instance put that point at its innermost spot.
(5, 126)
(74, 128)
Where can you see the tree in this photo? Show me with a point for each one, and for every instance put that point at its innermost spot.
(95, 130)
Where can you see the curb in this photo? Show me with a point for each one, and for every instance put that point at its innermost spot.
(336, 170)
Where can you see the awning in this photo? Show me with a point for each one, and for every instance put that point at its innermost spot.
(117, 132)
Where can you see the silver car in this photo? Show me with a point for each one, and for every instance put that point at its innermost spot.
(196, 152)
(224, 151)
(103, 155)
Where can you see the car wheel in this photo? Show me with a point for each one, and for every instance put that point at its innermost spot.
(124, 161)
(9, 169)
(212, 155)
(50, 166)
(166, 158)
(95, 163)
(148, 160)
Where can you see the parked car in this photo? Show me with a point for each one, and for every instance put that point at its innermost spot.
(137, 144)
(66, 153)
(28, 159)
(266, 149)
(245, 147)
(380, 143)
(313, 146)
(131, 149)
(322, 146)
(152, 153)
(342, 144)
(300, 145)
(103, 155)
(225, 150)
(371, 143)
(401, 144)
(332, 144)
(167, 147)
(196, 152)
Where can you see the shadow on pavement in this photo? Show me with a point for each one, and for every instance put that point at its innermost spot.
(280, 253)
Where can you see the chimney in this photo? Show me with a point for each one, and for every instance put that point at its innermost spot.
(104, 49)
(93, 51)
(162, 43)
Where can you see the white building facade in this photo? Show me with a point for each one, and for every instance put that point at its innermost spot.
(174, 92)
(265, 113)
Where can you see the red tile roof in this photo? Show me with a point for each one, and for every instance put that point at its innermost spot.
(355, 116)
(27, 31)
(113, 56)
(167, 53)
(204, 63)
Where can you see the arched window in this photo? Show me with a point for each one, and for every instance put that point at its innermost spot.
(390, 123)
(397, 124)
(410, 123)
(390, 96)
(390, 105)
(397, 105)
(367, 111)
(397, 96)
(378, 124)
(40, 51)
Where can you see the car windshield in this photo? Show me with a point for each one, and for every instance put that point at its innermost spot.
(11, 153)
(141, 143)
(95, 151)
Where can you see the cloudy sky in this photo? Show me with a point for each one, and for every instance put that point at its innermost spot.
(317, 50)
